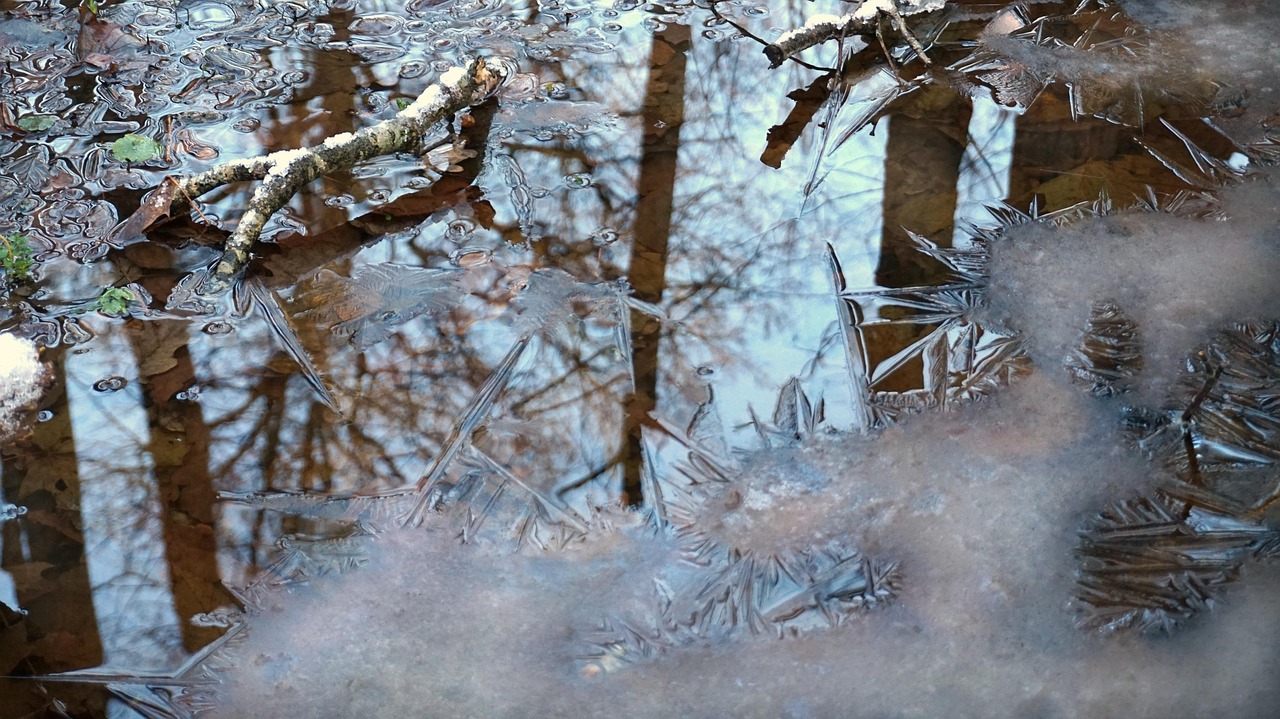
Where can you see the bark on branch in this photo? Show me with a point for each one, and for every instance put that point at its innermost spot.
(283, 173)
(862, 21)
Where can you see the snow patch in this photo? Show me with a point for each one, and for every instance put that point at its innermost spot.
(1198, 275)
(434, 98)
(22, 382)
(281, 161)
(341, 138)
(819, 24)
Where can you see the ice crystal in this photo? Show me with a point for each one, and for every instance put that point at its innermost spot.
(961, 358)
(1150, 564)
(749, 523)
(367, 306)
(302, 558)
(1109, 352)
(545, 300)
(1153, 563)
(1225, 404)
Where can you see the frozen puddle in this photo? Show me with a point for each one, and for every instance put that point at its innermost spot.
(928, 569)
(958, 562)
(885, 463)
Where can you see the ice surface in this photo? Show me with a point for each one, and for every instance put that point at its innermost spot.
(547, 299)
(1151, 564)
(1197, 276)
(979, 506)
(1108, 353)
(981, 536)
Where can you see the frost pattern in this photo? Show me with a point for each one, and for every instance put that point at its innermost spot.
(304, 558)
(367, 306)
(1153, 563)
(962, 359)
(546, 300)
(761, 572)
(1109, 353)
(1147, 566)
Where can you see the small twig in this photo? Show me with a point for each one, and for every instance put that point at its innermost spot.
(283, 173)
(190, 201)
(900, 24)
(748, 34)
(888, 57)
(1202, 395)
(862, 21)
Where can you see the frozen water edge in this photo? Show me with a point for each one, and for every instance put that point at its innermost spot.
(980, 505)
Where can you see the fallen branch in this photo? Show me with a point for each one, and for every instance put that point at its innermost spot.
(283, 173)
(864, 20)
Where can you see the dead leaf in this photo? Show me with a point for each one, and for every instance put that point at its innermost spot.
(1123, 177)
(105, 41)
(154, 208)
(99, 60)
(781, 137)
(157, 341)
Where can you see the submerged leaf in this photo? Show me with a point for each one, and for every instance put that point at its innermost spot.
(36, 123)
(135, 148)
(367, 306)
(154, 208)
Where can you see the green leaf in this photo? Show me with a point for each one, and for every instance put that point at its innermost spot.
(113, 301)
(135, 148)
(16, 256)
(36, 123)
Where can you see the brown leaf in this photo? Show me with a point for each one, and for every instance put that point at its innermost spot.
(99, 60)
(154, 208)
(782, 137)
(157, 341)
(99, 37)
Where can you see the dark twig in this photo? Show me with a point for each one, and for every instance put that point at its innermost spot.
(901, 24)
(1193, 462)
(748, 34)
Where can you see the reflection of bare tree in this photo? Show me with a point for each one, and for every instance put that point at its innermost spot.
(179, 449)
(662, 116)
(1049, 144)
(928, 133)
(406, 398)
(44, 550)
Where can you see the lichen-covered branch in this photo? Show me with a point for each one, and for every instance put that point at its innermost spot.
(284, 173)
(862, 21)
